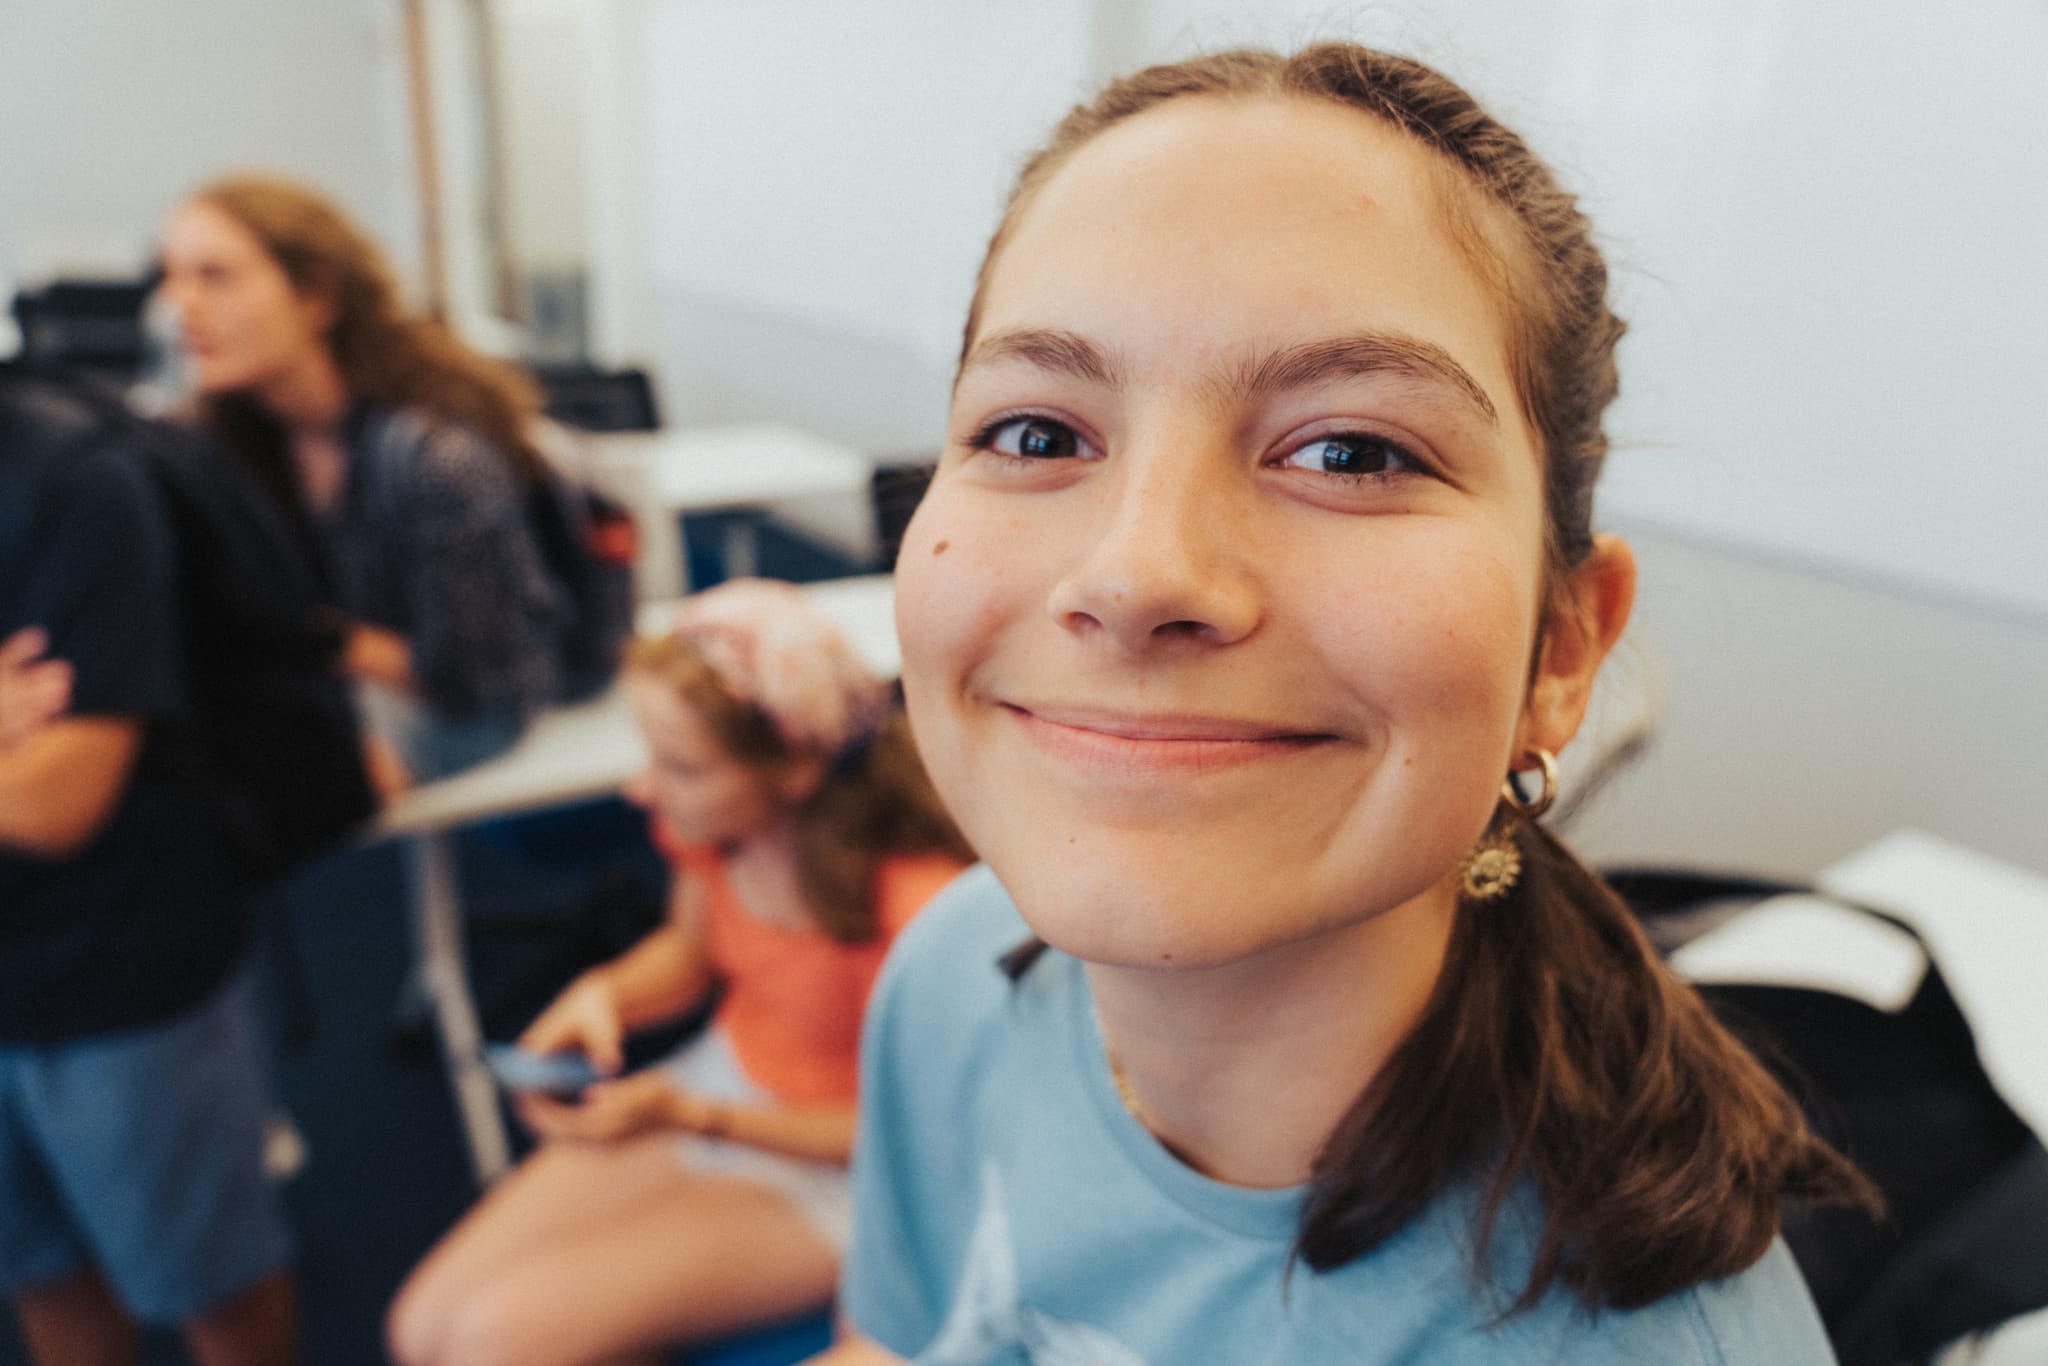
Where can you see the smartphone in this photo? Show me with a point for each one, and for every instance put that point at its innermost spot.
(562, 1075)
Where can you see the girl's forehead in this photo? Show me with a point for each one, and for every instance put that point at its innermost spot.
(1230, 222)
(1234, 147)
(201, 227)
(200, 218)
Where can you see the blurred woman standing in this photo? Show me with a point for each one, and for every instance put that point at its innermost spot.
(405, 454)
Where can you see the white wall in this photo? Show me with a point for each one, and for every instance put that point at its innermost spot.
(543, 60)
(819, 180)
(112, 108)
(1799, 717)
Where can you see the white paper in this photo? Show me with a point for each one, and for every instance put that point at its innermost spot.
(1803, 941)
(1986, 922)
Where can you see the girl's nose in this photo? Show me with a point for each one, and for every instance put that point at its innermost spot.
(1169, 558)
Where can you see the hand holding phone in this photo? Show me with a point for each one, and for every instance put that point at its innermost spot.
(522, 1071)
(585, 1020)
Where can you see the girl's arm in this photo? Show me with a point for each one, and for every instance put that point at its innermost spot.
(61, 783)
(645, 1102)
(817, 1133)
(379, 655)
(659, 978)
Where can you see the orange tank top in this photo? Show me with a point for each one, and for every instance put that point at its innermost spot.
(794, 998)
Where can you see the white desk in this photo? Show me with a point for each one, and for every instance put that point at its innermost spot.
(567, 755)
(666, 474)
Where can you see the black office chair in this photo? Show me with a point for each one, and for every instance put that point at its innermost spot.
(594, 400)
(93, 326)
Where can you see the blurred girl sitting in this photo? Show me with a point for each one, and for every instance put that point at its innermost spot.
(405, 454)
(708, 1194)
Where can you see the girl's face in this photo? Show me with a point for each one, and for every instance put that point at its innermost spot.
(1218, 618)
(698, 790)
(241, 323)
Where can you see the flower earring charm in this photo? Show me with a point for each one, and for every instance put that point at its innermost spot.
(1494, 866)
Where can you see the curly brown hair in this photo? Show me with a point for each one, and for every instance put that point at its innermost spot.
(386, 354)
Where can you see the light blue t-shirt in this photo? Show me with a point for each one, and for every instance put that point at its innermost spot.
(1009, 1210)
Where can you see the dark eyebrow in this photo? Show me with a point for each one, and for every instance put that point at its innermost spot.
(1296, 367)
(1364, 353)
(1049, 349)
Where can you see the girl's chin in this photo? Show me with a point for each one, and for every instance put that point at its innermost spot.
(1207, 918)
(1127, 927)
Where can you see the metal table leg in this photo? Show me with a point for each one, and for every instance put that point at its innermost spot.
(437, 924)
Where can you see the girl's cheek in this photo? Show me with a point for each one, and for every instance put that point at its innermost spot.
(931, 589)
(952, 561)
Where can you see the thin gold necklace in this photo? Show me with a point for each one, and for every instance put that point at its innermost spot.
(1124, 1091)
(1128, 1094)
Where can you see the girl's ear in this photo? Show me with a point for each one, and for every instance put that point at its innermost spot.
(1578, 631)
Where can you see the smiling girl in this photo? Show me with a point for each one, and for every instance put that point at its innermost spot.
(1258, 564)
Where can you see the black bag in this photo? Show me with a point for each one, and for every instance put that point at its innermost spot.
(274, 724)
(1964, 1244)
(589, 543)
(274, 714)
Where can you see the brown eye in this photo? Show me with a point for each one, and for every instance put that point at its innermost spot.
(1357, 454)
(1032, 438)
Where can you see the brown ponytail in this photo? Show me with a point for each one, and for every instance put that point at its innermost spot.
(1557, 1050)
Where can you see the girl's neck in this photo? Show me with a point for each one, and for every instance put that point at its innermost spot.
(310, 397)
(765, 876)
(1243, 1070)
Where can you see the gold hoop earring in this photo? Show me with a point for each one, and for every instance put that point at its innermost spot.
(1512, 795)
(1494, 866)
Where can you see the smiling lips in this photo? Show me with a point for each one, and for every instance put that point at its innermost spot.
(1137, 745)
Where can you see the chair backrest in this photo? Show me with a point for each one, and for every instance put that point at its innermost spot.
(597, 400)
(90, 325)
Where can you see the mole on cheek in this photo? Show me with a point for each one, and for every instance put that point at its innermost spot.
(941, 547)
